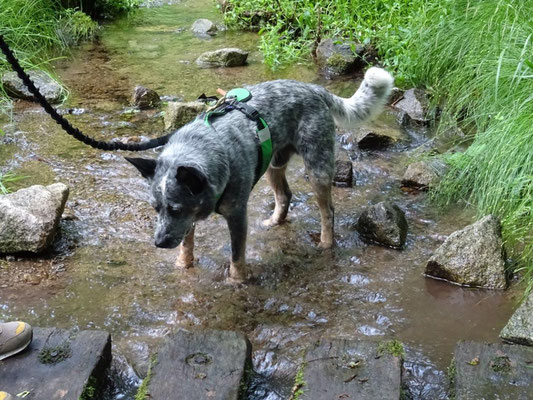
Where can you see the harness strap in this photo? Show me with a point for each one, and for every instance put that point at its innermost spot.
(235, 100)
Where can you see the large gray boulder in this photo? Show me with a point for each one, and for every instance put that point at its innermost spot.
(145, 98)
(29, 217)
(384, 223)
(414, 106)
(473, 256)
(423, 174)
(179, 113)
(48, 87)
(228, 57)
(519, 329)
(339, 58)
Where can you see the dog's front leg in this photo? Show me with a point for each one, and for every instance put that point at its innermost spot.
(186, 257)
(237, 224)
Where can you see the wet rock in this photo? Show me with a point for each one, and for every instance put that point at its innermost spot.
(339, 58)
(423, 174)
(344, 369)
(492, 371)
(48, 87)
(413, 107)
(145, 98)
(204, 28)
(58, 364)
(384, 223)
(473, 256)
(198, 365)
(343, 169)
(395, 95)
(372, 139)
(229, 57)
(519, 329)
(178, 113)
(29, 217)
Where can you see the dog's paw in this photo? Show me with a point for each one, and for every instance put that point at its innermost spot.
(237, 273)
(270, 222)
(184, 263)
(325, 245)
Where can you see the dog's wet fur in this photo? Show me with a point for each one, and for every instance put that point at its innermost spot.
(202, 163)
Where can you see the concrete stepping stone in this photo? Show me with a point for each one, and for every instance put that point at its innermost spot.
(199, 365)
(492, 371)
(58, 364)
(344, 369)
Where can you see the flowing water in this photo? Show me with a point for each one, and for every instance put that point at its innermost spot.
(105, 273)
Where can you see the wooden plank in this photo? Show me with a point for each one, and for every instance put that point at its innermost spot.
(201, 365)
(58, 364)
(343, 369)
(493, 371)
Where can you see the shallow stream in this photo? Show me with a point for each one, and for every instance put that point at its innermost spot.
(105, 273)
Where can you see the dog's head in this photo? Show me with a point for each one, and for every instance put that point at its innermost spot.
(180, 195)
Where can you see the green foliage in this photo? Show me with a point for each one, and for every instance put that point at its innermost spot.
(115, 8)
(291, 29)
(392, 347)
(76, 26)
(142, 392)
(6, 179)
(474, 57)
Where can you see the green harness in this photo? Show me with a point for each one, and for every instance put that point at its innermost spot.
(236, 99)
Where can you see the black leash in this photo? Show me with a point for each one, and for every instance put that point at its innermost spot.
(67, 127)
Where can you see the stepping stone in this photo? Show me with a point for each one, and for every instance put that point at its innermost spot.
(493, 371)
(200, 365)
(519, 329)
(58, 364)
(344, 369)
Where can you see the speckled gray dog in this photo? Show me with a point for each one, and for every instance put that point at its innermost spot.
(200, 163)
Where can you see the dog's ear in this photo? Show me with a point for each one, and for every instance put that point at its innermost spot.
(146, 166)
(192, 178)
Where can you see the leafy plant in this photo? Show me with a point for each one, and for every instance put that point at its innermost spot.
(6, 179)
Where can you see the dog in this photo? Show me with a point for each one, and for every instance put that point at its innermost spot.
(203, 169)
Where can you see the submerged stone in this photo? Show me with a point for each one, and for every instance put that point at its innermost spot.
(348, 369)
(29, 217)
(473, 256)
(49, 88)
(145, 98)
(384, 223)
(343, 169)
(180, 113)
(519, 329)
(58, 364)
(492, 371)
(201, 365)
(423, 174)
(229, 57)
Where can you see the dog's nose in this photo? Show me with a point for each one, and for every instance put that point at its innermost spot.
(164, 242)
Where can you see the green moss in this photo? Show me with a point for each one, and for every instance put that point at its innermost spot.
(337, 62)
(89, 390)
(54, 355)
(501, 364)
(392, 347)
(299, 383)
(452, 373)
(142, 392)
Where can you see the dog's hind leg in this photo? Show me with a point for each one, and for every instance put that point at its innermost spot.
(322, 189)
(186, 257)
(282, 194)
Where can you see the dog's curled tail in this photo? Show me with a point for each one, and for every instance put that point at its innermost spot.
(366, 102)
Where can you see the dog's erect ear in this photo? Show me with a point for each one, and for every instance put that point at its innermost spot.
(192, 179)
(146, 166)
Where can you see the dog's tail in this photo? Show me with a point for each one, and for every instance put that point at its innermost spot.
(366, 102)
